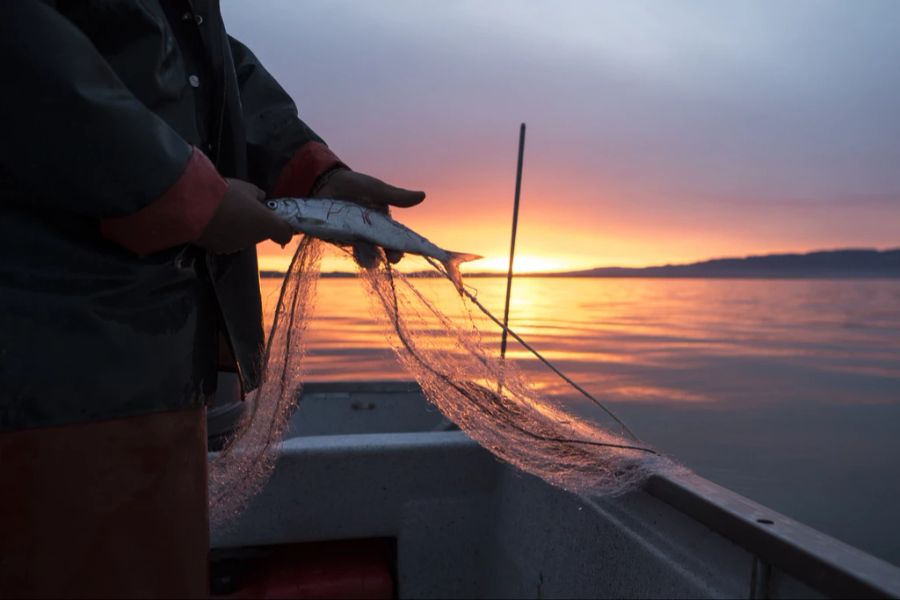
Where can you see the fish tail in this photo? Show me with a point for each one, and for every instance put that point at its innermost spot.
(452, 265)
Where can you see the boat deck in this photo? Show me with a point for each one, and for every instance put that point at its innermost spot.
(367, 460)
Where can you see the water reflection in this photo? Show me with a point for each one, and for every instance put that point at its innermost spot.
(787, 391)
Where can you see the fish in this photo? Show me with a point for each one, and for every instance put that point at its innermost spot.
(341, 222)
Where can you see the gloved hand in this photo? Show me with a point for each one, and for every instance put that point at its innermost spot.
(242, 220)
(344, 184)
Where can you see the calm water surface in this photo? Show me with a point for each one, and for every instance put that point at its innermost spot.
(786, 391)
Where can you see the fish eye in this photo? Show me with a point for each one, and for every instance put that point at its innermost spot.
(272, 204)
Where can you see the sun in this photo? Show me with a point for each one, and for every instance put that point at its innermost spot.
(523, 264)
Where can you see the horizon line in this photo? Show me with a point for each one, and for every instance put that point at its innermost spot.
(273, 273)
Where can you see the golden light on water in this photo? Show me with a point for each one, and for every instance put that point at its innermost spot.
(635, 341)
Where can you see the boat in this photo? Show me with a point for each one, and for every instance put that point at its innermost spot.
(376, 495)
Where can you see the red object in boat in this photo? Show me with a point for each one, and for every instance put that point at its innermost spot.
(345, 569)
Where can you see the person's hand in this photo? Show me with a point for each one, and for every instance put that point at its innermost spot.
(242, 220)
(343, 184)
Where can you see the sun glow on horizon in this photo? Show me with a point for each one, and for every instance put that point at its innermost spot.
(522, 264)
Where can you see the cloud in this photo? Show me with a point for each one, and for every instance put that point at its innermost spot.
(635, 108)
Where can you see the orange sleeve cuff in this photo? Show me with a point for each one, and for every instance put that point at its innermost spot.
(177, 217)
(308, 163)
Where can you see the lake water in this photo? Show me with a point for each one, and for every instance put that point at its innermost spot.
(786, 391)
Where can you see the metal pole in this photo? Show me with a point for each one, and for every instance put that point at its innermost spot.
(512, 244)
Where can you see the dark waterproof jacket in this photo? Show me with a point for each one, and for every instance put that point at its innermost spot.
(103, 105)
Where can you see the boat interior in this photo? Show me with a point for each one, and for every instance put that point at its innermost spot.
(376, 495)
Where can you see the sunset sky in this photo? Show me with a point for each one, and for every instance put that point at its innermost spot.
(657, 131)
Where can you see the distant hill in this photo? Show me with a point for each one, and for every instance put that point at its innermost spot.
(822, 264)
(848, 263)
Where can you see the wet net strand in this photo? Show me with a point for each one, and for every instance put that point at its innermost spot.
(474, 300)
(400, 330)
(242, 468)
(491, 400)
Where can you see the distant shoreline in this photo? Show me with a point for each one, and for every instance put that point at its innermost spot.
(425, 275)
(827, 264)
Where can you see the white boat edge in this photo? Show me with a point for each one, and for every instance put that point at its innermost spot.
(368, 459)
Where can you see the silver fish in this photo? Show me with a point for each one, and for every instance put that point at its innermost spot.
(342, 222)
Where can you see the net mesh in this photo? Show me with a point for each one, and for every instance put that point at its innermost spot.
(241, 469)
(491, 400)
(488, 398)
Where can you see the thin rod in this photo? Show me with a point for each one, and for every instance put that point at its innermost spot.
(512, 243)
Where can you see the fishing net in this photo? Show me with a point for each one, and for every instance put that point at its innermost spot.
(492, 401)
(240, 470)
(488, 398)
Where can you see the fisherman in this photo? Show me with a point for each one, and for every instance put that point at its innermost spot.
(138, 142)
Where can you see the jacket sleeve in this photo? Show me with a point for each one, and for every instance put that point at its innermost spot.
(78, 141)
(284, 155)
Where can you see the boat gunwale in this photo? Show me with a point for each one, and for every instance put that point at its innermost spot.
(821, 561)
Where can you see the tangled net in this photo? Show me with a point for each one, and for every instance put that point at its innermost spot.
(491, 400)
(487, 397)
(243, 466)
